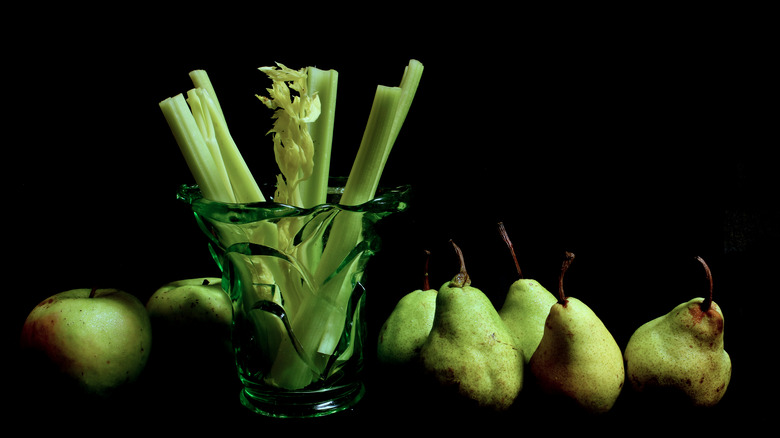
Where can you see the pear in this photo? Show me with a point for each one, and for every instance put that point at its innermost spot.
(577, 359)
(470, 347)
(403, 333)
(525, 307)
(682, 353)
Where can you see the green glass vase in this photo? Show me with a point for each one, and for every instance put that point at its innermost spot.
(295, 277)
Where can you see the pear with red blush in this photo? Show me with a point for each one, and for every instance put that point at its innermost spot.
(680, 355)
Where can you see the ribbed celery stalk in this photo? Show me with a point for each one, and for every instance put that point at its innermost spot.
(362, 180)
(381, 132)
(347, 229)
(205, 141)
(243, 183)
(196, 153)
(197, 98)
(319, 322)
(388, 113)
(314, 320)
(324, 83)
(409, 84)
(314, 190)
(202, 80)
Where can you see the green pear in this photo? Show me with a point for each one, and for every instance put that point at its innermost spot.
(470, 347)
(525, 307)
(682, 352)
(578, 359)
(404, 332)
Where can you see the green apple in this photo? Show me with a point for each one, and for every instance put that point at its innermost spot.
(98, 338)
(193, 354)
(192, 322)
(194, 301)
(191, 317)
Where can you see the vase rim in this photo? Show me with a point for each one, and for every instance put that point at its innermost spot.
(388, 199)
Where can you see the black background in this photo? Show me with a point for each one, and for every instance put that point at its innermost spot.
(635, 139)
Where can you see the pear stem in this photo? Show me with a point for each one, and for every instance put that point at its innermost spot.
(92, 292)
(426, 282)
(462, 277)
(508, 242)
(565, 267)
(705, 305)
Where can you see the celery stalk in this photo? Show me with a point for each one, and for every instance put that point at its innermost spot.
(242, 182)
(389, 110)
(317, 318)
(202, 133)
(391, 106)
(347, 230)
(323, 83)
(196, 98)
(361, 181)
(193, 147)
(319, 322)
(314, 190)
(202, 80)
(409, 84)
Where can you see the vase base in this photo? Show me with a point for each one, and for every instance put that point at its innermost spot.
(302, 404)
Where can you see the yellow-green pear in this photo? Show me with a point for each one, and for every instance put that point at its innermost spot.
(682, 353)
(578, 359)
(404, 332)
(470, 347)
(525, 307)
